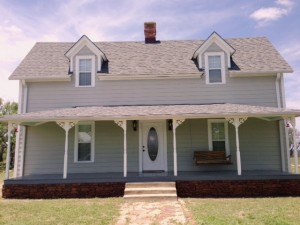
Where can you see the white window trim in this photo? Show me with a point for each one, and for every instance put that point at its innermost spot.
(92, 143)
(221, 54)
(210, 144)
(92, 57)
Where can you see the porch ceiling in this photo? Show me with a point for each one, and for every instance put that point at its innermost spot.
(151, 112)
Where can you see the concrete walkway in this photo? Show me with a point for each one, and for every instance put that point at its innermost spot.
(150, 213)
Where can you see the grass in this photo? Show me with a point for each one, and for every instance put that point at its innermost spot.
(58, 211)
(293, 164)
(62, 211)
(257, 211)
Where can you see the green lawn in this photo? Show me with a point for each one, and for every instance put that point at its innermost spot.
(293, 164)
(59, 211)
(256, 211)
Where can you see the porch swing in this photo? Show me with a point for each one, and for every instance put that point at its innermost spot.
(211, 157)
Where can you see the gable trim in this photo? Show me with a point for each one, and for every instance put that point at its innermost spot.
(85, 41)
(218, 40)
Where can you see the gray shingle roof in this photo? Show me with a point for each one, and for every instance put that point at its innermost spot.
(47, 60)
(158, 111)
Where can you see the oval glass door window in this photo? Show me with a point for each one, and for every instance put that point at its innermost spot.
(152, 144)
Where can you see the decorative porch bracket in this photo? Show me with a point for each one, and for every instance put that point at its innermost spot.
(292, 121)
(236, 122)
(10, 127)
(66, 125)
(123, 125)
(176, 123)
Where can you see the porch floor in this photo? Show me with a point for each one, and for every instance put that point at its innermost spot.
(150, 177)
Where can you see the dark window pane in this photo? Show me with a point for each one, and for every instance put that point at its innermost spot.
(219, 146)
(215, 76)
(85, 79)
(152, 144)
(84, 151)
(85, 65)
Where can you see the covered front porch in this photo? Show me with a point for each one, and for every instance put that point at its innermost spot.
(182, 129)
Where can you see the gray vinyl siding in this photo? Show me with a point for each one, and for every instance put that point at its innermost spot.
(248, 90)
(251, 91)
(259, 144)
(45, 150)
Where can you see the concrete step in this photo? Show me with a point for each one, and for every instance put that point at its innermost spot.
(150, 191)
(151, 197)
(150, 184)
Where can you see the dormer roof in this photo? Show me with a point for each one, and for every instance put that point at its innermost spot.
(82, 42)
(218, 40)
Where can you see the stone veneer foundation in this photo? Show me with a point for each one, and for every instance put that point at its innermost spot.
(195, 189)
(50, 191)
(238, 188)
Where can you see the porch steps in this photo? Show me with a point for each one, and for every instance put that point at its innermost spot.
(153, 191)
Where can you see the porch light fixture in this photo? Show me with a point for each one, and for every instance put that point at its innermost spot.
(170, 124)
(134, 125)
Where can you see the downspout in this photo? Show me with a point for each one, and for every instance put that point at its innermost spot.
(18, 133)
(284, 129)
(24, 110)
(280, 124)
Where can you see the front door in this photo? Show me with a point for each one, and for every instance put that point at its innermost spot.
(153, 146)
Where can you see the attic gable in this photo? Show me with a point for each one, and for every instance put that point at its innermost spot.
(84, 41)
(214, 38)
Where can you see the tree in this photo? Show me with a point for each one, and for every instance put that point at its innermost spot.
(7, 108)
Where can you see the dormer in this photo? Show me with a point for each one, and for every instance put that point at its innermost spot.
(213, 56)
(86, 60)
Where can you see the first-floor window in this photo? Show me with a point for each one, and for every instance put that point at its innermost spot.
(218, 135)
(84, 142)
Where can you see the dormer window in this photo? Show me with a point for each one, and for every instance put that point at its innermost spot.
(85, 71)
(214, 68)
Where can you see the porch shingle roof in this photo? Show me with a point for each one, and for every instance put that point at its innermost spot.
(151, 112)
(46, 60)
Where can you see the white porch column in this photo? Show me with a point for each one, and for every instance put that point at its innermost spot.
(123, 125)
(9, 130)
(66, 125)
(293, 122)
(236, 122)
(176, 123)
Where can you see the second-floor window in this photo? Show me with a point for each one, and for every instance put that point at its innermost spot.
(214, 67)
(85, 71)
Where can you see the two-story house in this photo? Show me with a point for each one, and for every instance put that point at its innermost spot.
(96, 112)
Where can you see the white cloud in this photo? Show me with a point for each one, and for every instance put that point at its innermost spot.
(266, 15)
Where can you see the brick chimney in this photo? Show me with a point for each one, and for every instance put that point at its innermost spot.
(150, 32)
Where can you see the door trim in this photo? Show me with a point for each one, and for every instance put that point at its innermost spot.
(164, 122)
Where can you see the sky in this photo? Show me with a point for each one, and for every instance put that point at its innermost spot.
(24, 22)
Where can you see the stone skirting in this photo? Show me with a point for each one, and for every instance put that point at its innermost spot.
(51, 191)
(238, 188)
(195, 189)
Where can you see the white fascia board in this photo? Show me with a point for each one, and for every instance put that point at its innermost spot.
(84, 41)
(148, 76)
(43, 79)
(252, 74)
(149, 117)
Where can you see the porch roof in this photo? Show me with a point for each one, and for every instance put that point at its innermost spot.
(92, 113)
